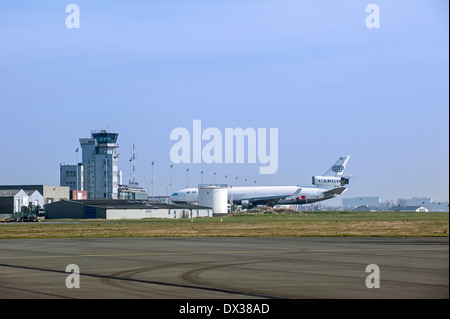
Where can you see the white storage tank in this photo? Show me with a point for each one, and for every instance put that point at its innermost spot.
(214, 197)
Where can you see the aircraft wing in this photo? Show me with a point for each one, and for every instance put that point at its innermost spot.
(265, 200)
(334, 191)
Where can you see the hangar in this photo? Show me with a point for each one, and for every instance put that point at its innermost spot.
(122, 209)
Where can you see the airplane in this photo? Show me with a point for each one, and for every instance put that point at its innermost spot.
(327, 186)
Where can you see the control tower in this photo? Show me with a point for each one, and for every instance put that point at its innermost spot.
(100, 161)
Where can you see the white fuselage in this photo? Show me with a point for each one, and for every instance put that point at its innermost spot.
(291, 194)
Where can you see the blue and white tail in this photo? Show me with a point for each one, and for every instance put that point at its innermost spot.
(338, 168)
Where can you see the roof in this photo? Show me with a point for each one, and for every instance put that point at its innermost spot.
(31, 191)
(9, 192)
(38, 187)
(130, 204)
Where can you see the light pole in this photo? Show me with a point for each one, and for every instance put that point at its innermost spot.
(201, 177)
(171, 179)
(76, 168)
(131, 185)
(187, 178)
(231, 203)
(106, 176)
(214, 179)
(153, 195)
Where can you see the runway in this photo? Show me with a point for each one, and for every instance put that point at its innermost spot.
(225, 268)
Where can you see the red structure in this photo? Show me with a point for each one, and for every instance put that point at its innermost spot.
(81, 195)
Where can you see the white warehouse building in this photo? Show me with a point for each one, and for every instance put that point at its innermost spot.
(122, 209)
(12, 200)
(17, 200)
(35, 198)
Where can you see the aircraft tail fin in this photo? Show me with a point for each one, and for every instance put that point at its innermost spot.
(338, 168)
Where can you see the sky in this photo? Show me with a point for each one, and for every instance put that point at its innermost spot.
(312, 69)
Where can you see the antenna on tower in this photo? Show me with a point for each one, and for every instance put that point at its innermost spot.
(131, 159)
(134, 168)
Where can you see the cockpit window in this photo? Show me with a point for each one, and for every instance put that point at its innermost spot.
(188, 192)
(175, 194)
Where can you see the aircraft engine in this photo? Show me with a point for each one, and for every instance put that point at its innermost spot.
(246, 204)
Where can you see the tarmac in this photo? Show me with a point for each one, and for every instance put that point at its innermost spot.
(225, 268)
